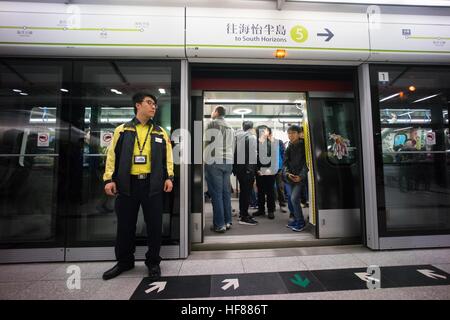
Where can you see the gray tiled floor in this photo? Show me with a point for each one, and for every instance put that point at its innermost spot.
(435, 255)
(57, 290)
(273, 264)
(89, 270)
(94, 270)
(219, 266)
(26, 272)
(332, 262)
(10, 290)
(410, 257)
(116, 289)
(48, 280)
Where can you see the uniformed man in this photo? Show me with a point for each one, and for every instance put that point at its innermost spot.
(139, 167)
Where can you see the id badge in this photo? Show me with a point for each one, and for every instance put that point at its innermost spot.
(140, 159)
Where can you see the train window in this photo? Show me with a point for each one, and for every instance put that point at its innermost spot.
(30, 133)
(413, 176)
(339, 132)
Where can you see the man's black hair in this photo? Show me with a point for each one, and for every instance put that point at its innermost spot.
(220, 110)
(295, 128)
(140, 96)
(246, 125)
(261, 128)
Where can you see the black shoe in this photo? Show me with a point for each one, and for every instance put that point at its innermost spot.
(271, 215)
(249, 221)
(115, 271)
(154, 272)
(258, 213)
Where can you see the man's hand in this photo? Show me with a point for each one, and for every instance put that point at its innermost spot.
(168, 185)
(295, 178)
(111, 189)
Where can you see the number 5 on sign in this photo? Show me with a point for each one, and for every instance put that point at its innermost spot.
(299, 34)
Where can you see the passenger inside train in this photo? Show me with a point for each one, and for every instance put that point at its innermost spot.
(260, 189)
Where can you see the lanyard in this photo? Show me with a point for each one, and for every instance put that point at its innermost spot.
(145, 141)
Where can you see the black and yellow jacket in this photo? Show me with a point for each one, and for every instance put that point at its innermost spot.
(120, 157)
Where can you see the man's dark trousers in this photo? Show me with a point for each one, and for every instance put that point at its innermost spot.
(246, 181)
(127, 208)
(266, 186)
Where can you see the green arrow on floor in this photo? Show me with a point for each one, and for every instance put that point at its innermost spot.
(299, 281)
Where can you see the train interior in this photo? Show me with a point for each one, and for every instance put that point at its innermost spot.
(278, 111)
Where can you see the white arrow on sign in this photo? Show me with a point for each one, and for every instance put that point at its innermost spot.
(431, 274)
(157, 285)
(231, 282)
(366, 277)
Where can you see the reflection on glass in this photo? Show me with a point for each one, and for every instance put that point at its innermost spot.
(339, 133)
(415, 193)
(97, 209)
(405, 116)
(396, 140)
(29, 129)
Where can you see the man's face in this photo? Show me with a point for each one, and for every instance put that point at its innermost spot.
(262, 134)
(147, 107)
(265, 133)
(293, 136)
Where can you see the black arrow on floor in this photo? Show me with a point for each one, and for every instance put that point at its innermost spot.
(329, 34)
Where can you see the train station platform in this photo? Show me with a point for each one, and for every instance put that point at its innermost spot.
(331, 272)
